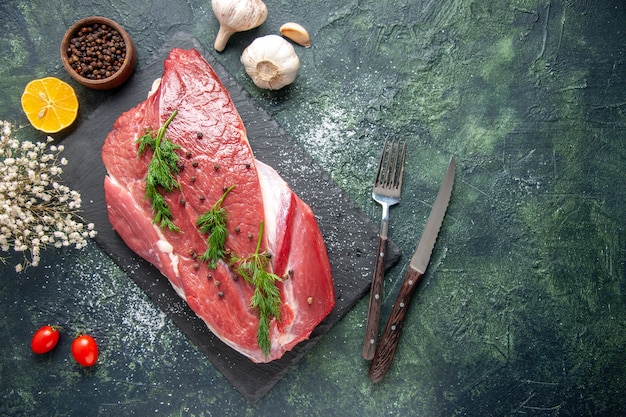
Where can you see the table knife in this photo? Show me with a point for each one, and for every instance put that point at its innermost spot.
(419, 262)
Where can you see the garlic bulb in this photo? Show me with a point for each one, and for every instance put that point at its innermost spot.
(236, 16)
(271, 62)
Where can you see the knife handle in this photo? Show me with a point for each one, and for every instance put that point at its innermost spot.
(376, 296)
(391, 335)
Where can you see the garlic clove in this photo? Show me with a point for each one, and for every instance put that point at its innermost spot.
(236, 16)
(296, 33)
(271, 62)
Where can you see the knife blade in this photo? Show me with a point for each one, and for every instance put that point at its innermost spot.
(419, 262)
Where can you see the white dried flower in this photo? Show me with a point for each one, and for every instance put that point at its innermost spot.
(36, 210)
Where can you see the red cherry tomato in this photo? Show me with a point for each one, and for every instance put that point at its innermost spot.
(85, 350)
(45, 339)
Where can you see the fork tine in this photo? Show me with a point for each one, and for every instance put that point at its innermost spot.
(391, 165)
(401, 164)
(381, 164)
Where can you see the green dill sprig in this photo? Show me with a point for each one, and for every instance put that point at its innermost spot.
(161, 171)
(214, 223)
(253, 268)
(266, 297)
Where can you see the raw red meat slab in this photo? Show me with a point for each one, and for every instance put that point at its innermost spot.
(216, 154)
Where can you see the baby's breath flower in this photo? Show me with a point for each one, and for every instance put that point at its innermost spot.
(36, 210)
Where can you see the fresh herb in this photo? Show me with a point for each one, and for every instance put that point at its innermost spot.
(213, 222)
(266, 297)
(161, 171)
(253, 268)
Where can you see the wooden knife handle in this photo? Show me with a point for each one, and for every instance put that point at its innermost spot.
(376, 295)
(391, 335)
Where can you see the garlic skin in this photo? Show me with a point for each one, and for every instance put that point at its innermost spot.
(296, 33)
(236, 16)
(271, 62)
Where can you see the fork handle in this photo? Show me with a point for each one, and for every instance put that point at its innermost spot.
(391, 335)
(376, 295)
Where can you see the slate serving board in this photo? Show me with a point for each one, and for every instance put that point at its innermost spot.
(350, 235)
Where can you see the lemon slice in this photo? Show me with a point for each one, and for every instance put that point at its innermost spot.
(50, 104)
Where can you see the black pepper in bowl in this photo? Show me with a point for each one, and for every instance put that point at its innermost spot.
(98, 53)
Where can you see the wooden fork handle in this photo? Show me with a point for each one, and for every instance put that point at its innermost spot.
(391, 335)
(376, 295)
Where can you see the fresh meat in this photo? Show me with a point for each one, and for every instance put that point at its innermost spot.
(215, 154)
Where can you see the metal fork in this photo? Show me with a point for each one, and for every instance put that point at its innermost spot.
(387, 187)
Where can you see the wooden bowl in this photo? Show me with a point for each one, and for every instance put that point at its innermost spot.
(109, 78)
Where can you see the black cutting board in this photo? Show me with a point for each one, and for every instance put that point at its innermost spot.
(350, 235)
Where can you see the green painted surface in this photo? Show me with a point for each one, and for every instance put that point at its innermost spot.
(522, 311)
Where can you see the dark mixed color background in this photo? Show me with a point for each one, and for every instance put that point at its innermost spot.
(522, 311)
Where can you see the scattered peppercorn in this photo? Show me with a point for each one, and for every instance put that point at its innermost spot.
(220, 294)
(194, 164)
(188, 154)
(193, 178)
(216, 166)
(199, 135)
(182, 201)
(96, 52)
